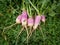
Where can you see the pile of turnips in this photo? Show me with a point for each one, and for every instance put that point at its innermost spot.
(27, 21)
(31, 22)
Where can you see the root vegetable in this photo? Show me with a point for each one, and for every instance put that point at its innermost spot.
(30, 22)
(18, 19)
(43, 18)
(37, 21)
(24, 18)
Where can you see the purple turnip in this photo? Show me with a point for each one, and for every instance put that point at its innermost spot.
(30, 22)
(24, 18)
(18, 19)
(43, 18)
(37, 21)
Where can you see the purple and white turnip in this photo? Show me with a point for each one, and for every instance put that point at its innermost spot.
(43, 18)
(24, 18)
(37, 21)
(30, 22)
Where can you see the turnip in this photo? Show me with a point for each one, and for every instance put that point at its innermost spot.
(43, 18)
(37, 21)
(23, 22)
(30, 22)
(18, 19)
(24, 18)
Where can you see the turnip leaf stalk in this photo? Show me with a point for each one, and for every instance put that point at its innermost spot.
(34, 7)
(24, 18)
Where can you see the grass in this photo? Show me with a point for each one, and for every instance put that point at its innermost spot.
(51, 29)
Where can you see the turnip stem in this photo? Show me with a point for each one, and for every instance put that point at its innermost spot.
(19, 34)
(34, 7)
(23, 4)
(9, 26)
